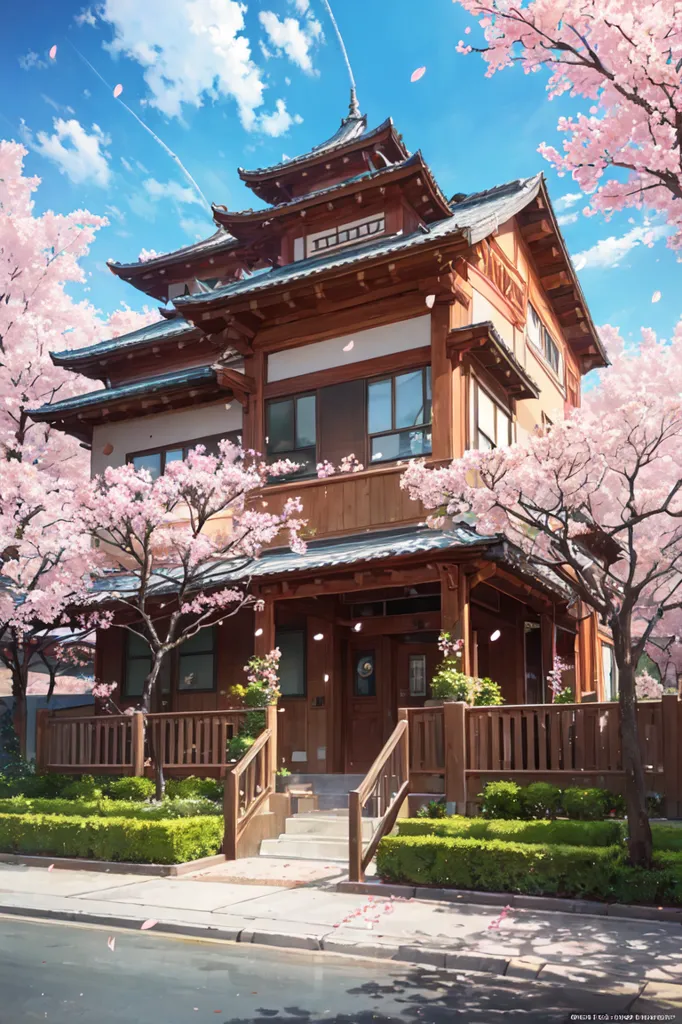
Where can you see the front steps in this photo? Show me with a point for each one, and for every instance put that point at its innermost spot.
(315, 835)
(331, 791)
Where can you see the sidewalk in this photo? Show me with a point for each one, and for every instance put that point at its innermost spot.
(312, 915)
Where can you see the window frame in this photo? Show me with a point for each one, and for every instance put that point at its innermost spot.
(542, 346)
(425, 427)
(185, 446)
(303, 633)
(291, 453)
(127, 657)
(210, 630)
(475, 427)
(374, 226)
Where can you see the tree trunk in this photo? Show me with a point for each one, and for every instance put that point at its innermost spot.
(147, 694)
(19, 684)
(639, 829)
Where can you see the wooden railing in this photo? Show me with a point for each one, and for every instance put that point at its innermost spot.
(568, 744)
(249, 785)
(194, 740)
(382, 794)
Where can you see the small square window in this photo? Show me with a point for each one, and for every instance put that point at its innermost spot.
(292, 665)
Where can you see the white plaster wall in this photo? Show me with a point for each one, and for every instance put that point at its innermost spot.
(159, 430)
(350, 348)
(483, 310)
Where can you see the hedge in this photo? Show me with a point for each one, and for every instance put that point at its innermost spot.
(598, 872)
(125, 839)
(110, 808)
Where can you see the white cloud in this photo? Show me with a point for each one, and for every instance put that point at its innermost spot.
(608, 252)
(570, 199)
(196, 229)
(87, 93)
(191, 50)
(141, 167)
(292, 37)
(264, 50)
(114, 212)
(79, 155)
(279, 122)
(567, 218)
(31, 60)
(170, 190)
(56, 106)
(126, 163)
(86, 17)
(301, 5)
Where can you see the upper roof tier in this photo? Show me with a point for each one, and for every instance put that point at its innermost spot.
(351, 149)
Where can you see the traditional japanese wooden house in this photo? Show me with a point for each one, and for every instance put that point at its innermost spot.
(356, 310)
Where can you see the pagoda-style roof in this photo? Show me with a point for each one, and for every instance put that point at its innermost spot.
(484, 343)
(428, 200)
(342, 150)
(194, 386)
(90, 360)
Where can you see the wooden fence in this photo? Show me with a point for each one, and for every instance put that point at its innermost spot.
(186, 743)
(567, 744)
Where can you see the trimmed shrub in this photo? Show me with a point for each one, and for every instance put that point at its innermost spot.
(129, 787)
(493, 866)
(433, 809)
(586, 804)
(192, 787)
(563, 833)
(121, 839)
(540, 800)
(179, 808)
(501, 800)
(84, 788)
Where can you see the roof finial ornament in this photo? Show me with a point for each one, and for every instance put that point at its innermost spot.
(354, 107)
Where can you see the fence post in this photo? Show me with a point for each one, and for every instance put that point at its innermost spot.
(271, 724)
(355, 872)
(454, 728)
(231, 815)
(671, 739)
(405, 742)
(137, 742)
(42, 733)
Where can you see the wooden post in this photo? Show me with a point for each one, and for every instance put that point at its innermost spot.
(271, 724)
(355, 872)
(403, 716)
(465, 622)
(137, 742)
(264, 639)
(42, 739)
(441, 380)
(671, 739)
(454, 727)
(231, 815)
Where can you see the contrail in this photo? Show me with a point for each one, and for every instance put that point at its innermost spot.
(146, 127)
(341, 44)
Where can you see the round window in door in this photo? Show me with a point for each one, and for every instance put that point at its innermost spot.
(365, 676)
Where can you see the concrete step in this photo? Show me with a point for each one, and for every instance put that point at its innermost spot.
(305, 847)
(324, 826)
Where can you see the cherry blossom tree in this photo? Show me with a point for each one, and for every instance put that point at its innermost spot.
(626, 60)
(180, 547)
(598, 500)
(43, 549)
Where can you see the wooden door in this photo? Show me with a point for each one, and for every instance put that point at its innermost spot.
(368, 709)
(415, 666)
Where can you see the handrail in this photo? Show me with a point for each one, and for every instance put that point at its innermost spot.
(255, 772)
(391, 766)
(244, 762)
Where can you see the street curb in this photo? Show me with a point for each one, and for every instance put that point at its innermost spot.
(519, 970)
(118, 867)
(545, 904)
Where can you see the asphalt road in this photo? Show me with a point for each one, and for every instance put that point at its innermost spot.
(66, 973)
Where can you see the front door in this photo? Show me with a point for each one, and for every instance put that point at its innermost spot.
(366, 710)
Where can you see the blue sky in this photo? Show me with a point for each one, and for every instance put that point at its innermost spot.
(225, 84)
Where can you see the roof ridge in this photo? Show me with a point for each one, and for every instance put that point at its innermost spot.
(494, 189)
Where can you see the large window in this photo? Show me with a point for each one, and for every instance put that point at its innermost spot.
(292, 432)
(138, 666)
(292, 665)
(399, 416)
(196, 661)
(155, 460)
(542, 340)
(491, 424)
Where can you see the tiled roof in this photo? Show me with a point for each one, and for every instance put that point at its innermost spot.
(221, 241)
(351, 128)
(320, 554)
(476, 217)
(152, 332)
(179, 378)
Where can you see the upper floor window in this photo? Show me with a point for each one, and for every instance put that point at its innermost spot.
(155, 460)
(344, 234)
(196, 661)
(399, 416)
(542, 340)
(138, 665)
(492, 425)
(292, 431)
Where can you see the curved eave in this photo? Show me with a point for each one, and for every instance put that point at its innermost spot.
(217, 243)
(90, 361)
(325, 151)
(374, 179)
